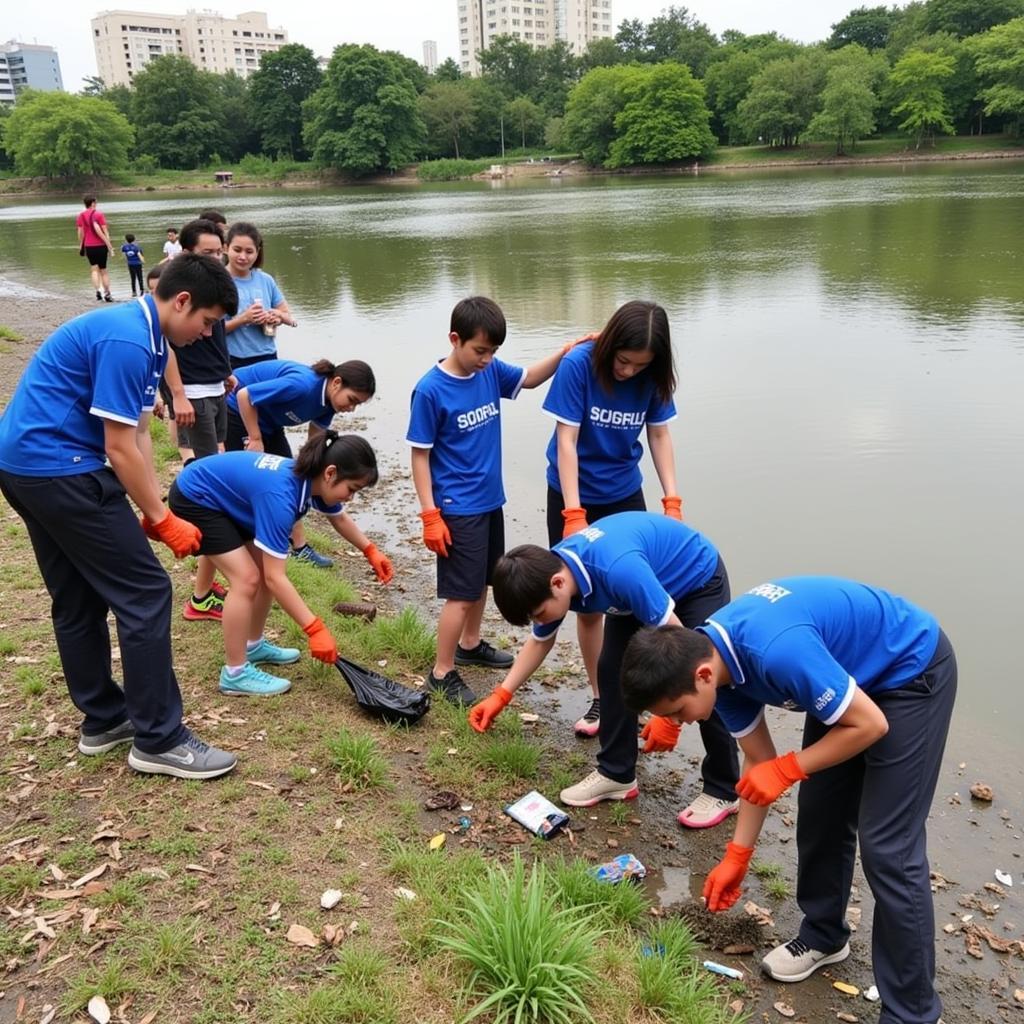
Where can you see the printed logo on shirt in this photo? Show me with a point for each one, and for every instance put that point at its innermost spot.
(293, 417)
(616, 418)
(825, 699)
(770, 591)
(476, 417)
(592, 533)
(271, 462)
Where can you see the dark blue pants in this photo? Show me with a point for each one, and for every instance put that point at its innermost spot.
(95, 558)
(884, 796)
(617, 756)
(135, 274)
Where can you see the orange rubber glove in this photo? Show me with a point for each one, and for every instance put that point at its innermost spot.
(148, 528)
(178, 534)
(661, 734)
(673, 507)
(484, 712)
(575, 520)
(381, 563)
(767, 781)
(435, 532)
(321, 643)
(722, 886)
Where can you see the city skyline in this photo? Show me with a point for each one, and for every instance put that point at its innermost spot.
(401, 25)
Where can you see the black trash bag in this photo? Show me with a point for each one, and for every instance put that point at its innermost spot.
(381, 696)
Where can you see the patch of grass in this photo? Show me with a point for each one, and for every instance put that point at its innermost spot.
(113, 981)
(450, 170)
(528, 960)
(8, 334)
(575, 886)
(18, 880)
(766, 869)
(8, 645)
(168, 950)
(777, 889)
(619, 813)
(357, 760)
(178, 845)
(515, 758)
(30, 680)
(125, 893)
(404, 638)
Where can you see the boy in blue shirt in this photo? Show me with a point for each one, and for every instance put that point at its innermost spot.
(877, 678)
(84, 400)
(134, 258)
(455, 434)
(637, 569)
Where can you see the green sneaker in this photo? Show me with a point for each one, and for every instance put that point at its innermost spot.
(272, 654)
(211, 607)
(252, 682)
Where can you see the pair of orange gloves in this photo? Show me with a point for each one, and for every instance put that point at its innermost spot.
(576, 518)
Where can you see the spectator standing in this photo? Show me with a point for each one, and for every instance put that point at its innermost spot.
(94, 245)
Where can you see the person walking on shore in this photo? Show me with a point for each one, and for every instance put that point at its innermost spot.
(94, 244)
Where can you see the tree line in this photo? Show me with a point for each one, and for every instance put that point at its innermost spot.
(661, 91)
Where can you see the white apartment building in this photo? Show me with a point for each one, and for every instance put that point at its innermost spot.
(537, 22)
(126, 41)
(27, 66)
(430, 55)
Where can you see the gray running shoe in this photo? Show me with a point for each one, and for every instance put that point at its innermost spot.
(190, 759)
(101, 742)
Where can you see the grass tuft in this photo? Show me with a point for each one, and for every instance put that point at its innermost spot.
(357, 759)
(621, 904)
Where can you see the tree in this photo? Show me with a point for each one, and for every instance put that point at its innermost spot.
(449, 113)
(999, 62)
(277, 89)
(174, 108)
(58, 135)
(601, 53)
(664, 118)
(589, 123)
(526, 117)
(867, 26)
(557, 70)
(917, 81)
(848, 100)
(631, 39)
(365, 117)
(727, 83)
(783, 98)
(677, 35)
(93, 85)
(234, 111)
(447, 71)
(963, 18)
(510, 64)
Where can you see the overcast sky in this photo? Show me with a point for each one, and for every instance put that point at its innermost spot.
(391, 24)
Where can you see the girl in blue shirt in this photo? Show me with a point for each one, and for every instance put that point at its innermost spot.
(261, 306)
(245, 504)
(604, 393)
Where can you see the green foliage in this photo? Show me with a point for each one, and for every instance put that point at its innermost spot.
(18, 880)
(999, 61)
(664, 118)
(450, 170)
(364, 117)
(529, 961)
(57, 135)
(848, 101)
(277, 90)
(589, 124)
(511, 64)
(783, 98)
(526, 118)
(614, 905)
(357, 759)
(969, 17)
(449, 112)
(866, 26)
(916, 82)
(447, 71)
(669, 986)
(677, 35)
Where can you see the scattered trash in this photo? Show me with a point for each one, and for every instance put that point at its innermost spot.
(981, 791)
(438, 841)
(98, 1010)
(466, 807)
(528, 718)
(871, 994)
(625, 867)
(848, 1018)
(299, 935)
(330, 898)
(381, 696)
(847, 990)
(949, 928)
(49, 1012)
(737, 1006)
(739, 949)
(784, 1009)
(649, 951)
(761, 915)
(357, 610)
(728, 972)
(464, 824)
(404, 894)
(442, 800)
(1003, 877)
(537, 814)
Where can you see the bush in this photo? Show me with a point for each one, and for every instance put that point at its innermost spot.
(450, 170)
(145, 164)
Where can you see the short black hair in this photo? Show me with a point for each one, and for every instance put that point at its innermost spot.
(661, 663)
(215, 215)
(155, 271)
(169, 230)
(477, 314)
(521, 581)
(203, 277)
(88, 200)
(189, 236)
(129, 237)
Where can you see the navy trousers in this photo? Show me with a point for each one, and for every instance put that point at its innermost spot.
(95, 559)
(884, 796)
(617, 756)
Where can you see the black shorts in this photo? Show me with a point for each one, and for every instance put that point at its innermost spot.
(237, 361)
(220, 532)
(477, 544)
(97, 256)
(631, 503)
(274, 443)
(209, 429)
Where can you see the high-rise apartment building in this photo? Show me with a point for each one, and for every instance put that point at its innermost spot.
(126, 41)
(537, 22)
(430, 55)
(27, 66)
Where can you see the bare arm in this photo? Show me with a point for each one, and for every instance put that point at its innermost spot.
(101, 230)
(528, 660)
(566, 437)
(345, 526)
(248, 415)
(543, 369)
(663, 456)
(862, 724)
(283, 590)
(129, 461)
(282, 314)
(421, 477)
(184, 411)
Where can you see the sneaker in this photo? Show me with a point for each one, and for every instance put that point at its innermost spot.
(211, 607)
(453, 688)
(707, 811)
(107, 297)
(99, 296)
(219, 589)
(252, 682)
(272, 654)
(311, 555)
(795, 960)
(595, 788)
(190, 759)
(589, 724)
(101, 742)
(483, 654)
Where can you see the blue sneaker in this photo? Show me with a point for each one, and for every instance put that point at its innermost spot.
(252, 682)
(272, 654)
(311, 555)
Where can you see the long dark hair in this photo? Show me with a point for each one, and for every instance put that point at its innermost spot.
(349, 454)
(243, 228)
(637, 326)
(354, 374)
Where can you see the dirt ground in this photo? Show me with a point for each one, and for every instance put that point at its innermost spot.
(279, 792)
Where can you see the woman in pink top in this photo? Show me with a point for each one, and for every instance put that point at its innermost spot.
(94, 245)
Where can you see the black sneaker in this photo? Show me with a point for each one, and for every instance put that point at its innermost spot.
(99, 296)
(101, 742)
(107, 297)
(453, 688)
(483, 654)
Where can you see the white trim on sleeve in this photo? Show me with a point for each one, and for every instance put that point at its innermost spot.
(105, 414)
(563, 553)
(420, 444)
(269, 551)
(844, 703)
(562, 419)
(661, 423)
(750, 728)
(519, 386)
(669, 611)
(727, 640)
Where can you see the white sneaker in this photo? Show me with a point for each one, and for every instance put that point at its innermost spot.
(795, 960)
(707, 811)
(595, 788)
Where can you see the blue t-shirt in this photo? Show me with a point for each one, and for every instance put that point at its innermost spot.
(258, 491)
(249, 340)
(132, 253)
(285, 393)
(805, 643)
(104, 365)
(634, 563)
(459, 420)
(607, 445)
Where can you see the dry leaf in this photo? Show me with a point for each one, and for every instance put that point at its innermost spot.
(89, 918)
(58, 875)
(199, 868)
(784, 1010)
(299, 935)
(847, 990)
(438, 841)
(49, 1012)
(89, 876)
(156, 873)
(98, 1010)
(149, 1018)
